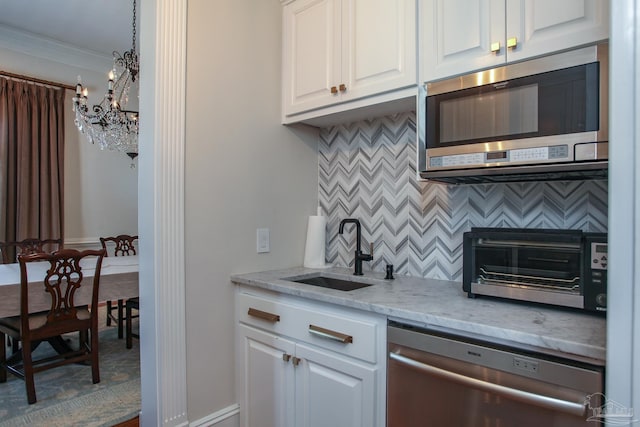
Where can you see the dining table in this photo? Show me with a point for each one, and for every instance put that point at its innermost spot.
(118, 280)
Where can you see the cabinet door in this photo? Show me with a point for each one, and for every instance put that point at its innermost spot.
(457, 36)
(378, 46)
(267, 379)
(546, 26)
(333, 391)
(311, 54)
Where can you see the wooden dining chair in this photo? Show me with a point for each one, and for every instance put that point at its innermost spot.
(11, 250)
(62, 280)
(132, 304)
(122, 245)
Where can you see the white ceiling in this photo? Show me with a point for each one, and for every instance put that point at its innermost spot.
(101, 26)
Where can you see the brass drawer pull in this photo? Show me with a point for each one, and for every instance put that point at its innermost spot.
(263, 315)
(512, 42)
(342, 87)
(329, 334)
(334, 90)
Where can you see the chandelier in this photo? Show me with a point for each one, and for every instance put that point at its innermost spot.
(109, 123)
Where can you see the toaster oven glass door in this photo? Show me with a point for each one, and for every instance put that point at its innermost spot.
(539, 265)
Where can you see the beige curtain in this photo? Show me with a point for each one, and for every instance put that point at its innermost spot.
(31, 160)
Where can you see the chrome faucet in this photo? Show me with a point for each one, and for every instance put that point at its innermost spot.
(359, 256)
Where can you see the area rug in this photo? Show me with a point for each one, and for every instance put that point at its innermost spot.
(67, 397)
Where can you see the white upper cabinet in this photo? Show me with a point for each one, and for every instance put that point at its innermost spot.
(461, 36)
(311, 53)
(378, 46)
(457, 36)
(336, 51)
(544, 26)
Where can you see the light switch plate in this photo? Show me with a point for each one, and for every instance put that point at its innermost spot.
(262, 240)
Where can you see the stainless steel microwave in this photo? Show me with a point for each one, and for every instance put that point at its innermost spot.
(543, 116)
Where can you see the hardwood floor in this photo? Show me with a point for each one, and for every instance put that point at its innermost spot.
(135, 422)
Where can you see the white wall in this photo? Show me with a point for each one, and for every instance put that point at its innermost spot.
(100, 187)
(243, 170)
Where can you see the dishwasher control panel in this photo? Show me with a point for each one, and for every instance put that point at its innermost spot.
(527, 365)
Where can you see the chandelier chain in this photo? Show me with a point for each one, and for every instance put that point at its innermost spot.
(133, 47)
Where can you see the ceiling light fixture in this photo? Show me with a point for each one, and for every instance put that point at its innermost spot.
(109, 123)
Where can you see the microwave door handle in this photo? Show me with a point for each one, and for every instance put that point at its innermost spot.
(573, 408)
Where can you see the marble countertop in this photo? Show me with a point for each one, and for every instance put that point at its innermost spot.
(442, 305)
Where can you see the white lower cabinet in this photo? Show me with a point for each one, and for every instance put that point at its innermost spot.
(300, 365)
(333, 390)
(268, 379)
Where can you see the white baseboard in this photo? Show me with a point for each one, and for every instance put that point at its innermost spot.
(82, 244)
(226, 417)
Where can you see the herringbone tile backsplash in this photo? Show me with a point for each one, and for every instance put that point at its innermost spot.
(368, 171)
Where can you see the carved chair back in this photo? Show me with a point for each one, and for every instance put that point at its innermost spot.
(11, 250)
(63, 279)
(123, 245)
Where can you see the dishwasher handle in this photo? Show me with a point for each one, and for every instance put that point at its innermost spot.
(573, 408)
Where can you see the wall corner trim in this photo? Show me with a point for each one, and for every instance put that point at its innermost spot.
(163, 370)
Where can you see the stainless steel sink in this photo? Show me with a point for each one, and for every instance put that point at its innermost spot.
(331, 283)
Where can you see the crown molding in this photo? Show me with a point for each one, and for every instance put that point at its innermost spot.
(53, 50)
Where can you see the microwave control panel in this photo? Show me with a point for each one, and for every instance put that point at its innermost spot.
(520, 155)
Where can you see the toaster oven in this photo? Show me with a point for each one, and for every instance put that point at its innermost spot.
(556, 267)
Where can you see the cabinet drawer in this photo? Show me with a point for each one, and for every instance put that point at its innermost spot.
(345, 333)
(264, 313)
(342, 330)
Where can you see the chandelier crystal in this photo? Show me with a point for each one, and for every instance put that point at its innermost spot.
(109, 123)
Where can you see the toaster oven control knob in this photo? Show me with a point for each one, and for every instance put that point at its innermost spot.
(601, 300)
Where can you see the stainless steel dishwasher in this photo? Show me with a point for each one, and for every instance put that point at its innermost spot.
(437, 379)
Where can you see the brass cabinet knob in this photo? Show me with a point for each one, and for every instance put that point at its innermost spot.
(512, 42)
(334, 90)
(296, 361)
(286, 357)
(343, 87)
(495, 47)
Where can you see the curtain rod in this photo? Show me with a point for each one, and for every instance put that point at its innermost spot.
(35, 80)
